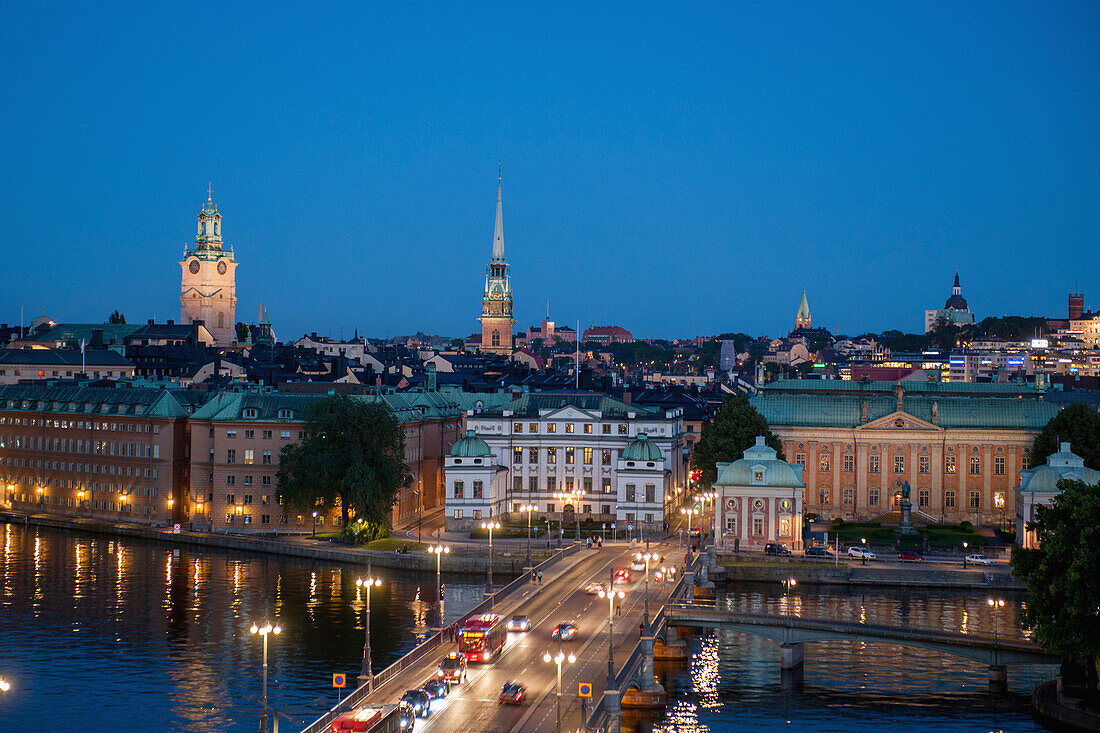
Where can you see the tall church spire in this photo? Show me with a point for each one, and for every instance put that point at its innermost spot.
(498, 227)
(802, 318)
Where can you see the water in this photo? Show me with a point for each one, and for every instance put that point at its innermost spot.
(123, 634)
(733, 681)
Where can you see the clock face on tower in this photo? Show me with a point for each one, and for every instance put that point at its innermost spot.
(221, 267)
(193, 266)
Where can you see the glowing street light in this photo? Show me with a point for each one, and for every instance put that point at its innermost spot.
(365, 675)
(646, 557)
(788, 584)
(528, 508)
(611, 595)
(4, 685)
(996, 604)
(690, 512)
(314, 525)
(558, 659)
(439, 551)
(267, 628)
(490, 526)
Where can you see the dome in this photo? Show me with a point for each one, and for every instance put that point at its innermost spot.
(1061, 465)
(642, 450)
(759, 467)
(470, 446)
(957, 303)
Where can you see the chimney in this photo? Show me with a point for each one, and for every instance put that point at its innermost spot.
(1076, 306)
(430, 380)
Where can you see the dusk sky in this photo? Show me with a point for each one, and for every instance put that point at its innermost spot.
(679, 170)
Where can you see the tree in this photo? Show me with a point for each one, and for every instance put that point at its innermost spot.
(733, 430)
(352, 457)
(1063, 576)
(242, 332)
(1079, 426)
(116, 318)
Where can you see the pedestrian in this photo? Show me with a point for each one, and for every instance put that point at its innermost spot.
(618, 607)
(540, 577)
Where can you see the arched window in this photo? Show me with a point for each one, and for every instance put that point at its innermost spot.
(496, 338)
(221, 320)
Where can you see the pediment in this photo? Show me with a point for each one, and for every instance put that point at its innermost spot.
(900, 420)
(568, 413)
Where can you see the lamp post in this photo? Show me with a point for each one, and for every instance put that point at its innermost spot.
(366, 676)
(267, 628)
(863, 557)
(689, 511)
(490, 526)
(528, 508)
(574, 496)
(611, 595)
(439, 551)
(645, 556)
(703, 498)
(965, 545)
(314, 525)
(996, 604)
(558, 659)
(787, 585)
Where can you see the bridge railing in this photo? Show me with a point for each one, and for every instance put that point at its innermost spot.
(433, 642)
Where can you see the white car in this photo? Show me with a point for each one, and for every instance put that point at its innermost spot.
(860, 553)
(978, 559)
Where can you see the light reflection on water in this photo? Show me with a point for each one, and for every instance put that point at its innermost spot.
(103, 634)
(733, 682)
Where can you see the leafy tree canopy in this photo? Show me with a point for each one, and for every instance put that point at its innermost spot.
(242, 332)
(116, 317)
(352, 457)
(733, 430)
(1063, 575)
(1079, 426)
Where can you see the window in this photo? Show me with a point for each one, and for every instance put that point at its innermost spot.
(949, 499)
(569, 427)
(823, 462)
(551, 455)
(284, 434)
(872, 497)
(924, 464)
(630, 492)
(587, 508)
(551, 427)
(517, 455)
(248, 498)
(975, 466)
(588, 456)
(849, 497)
(569, 484)
(785, 526)
(605, 508)
(266, 458)
(607, 486)
(266, 481)
(923, 498)
(231, 456)
(459, 489)
(569, 455)
(248, 480)
(849, 463)
(266, 434)
(250, 433)
(532, 455)
(823, 495)
(230, 480)
(533, 427)
(231, 433)
(549, 508)
(517, 484)
(230, 498)
(551, 484)
(949, 464)
(623, 429)
(800, 459)
(605, 429)
(588, 484)
(998, 500)
(650, 493)
(975, 500)
(517, 427)
(265, 519)
(899, 463)
(605, 459)
(479, 491)
(872, 464)
(533, 484)
(458, 514)
(758, 526)
(731, 525)
(249, 456)
(998, 465)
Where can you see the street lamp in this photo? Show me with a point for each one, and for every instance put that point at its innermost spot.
(611, 595)
(558, 659)
(528, 508)
(863, 541)
(965, 545)
(4, 685)
(314, 525)
(996, 604)
(646, 556)
(705, 497)
(787, 585)
(574, 496)
(267, 628)
(366, 677)
(439, 551)
(490, 526)
(689, 511)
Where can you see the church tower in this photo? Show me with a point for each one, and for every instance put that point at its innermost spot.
(496, 306)
(802, 318)
(208, 290)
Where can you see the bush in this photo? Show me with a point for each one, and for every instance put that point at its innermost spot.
(966, 526)
(360, 532)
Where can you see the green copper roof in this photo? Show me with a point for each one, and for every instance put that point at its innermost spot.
(1061, 465)
(642, 450)
(532, 405)
(470, 446)
(80, 400)
(267, 405)
(759, 467)
(803, 307)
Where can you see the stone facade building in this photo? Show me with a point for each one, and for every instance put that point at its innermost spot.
(960, 446)
(759, 500)
(208, 289)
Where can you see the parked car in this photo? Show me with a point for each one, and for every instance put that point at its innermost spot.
(811, 517)
(593, 589)
(419, 701)
(910, 556)
(519, 623)
(775, 548)
(453, 668)
(565, 632)
(436, 688)
(513, 693)
(978, 559)
(622, 575)
(819, 552)
(860, 553)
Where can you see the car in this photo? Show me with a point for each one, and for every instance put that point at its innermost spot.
(910, 556)
(593, 589)
(819, 552)
(436, 688)
(978, 558)
(519, 623)
(565, 632)
(860, 553)
(811, 517)
(695, 532)
(622, 575)
(775, 548)
(513, 693)
(637, 566)
(419, 701)
(453, 668)
(406, 716)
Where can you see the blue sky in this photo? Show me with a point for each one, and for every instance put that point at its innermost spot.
(677, 169)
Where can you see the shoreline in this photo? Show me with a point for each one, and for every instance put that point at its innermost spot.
(871, 575)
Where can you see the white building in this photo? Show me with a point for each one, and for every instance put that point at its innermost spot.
(589, 446)
(759, 500)
(1039, 486)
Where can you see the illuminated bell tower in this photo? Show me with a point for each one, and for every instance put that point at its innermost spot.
(208, 289)
(496, 306)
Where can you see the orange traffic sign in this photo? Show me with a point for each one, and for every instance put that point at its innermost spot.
(584, 689)
(339, 679)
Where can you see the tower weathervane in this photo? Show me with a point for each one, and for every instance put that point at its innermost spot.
(210, 191)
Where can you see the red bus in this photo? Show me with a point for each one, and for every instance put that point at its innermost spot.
(482, 637)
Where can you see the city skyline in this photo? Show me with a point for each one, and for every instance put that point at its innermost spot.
(356, 173)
